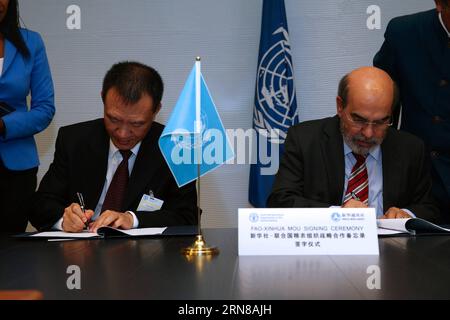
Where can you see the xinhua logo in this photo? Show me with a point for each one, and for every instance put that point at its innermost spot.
(336, 217)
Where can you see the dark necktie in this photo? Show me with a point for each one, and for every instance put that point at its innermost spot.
(358, 182)
(116, 191)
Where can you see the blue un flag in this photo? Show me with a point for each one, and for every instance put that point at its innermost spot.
(275, 103)
(185, 142)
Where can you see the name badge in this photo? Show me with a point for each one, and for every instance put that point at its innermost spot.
(149, 203)
(308, 231)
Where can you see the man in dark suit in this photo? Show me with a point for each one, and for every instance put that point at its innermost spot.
(416, 54)
(318, 165)
(115, 163)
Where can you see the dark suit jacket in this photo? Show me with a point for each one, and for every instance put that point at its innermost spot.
(416, 53)
(80, 165)
(312, 170)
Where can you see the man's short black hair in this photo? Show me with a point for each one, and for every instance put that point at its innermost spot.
(133, 79)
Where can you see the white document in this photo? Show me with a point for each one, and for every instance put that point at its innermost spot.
(411, 226)
(391, 226)
(308, 231)
(103, 232)
(388, 232)
(62, 234)
(144, 231)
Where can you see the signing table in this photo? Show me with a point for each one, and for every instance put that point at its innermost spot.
(153, 268)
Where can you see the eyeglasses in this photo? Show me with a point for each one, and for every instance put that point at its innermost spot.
(360, 123)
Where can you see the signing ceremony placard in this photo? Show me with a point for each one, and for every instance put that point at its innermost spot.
(308, 231)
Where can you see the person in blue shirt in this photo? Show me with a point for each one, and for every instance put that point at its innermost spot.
(24, 70)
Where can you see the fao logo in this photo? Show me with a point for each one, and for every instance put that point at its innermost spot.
(336, 217)
(253, 217)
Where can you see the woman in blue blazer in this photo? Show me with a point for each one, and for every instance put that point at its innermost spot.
(24, 70)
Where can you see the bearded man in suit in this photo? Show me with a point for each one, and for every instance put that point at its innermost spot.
(355, 159)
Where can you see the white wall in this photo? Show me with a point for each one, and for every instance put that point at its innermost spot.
(328, 39)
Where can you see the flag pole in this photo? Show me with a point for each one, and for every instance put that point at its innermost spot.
(199, 248)
(198, 143)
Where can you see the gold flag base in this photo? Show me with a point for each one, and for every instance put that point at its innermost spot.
(200, 248)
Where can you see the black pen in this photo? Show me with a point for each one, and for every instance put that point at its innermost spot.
(81, 202)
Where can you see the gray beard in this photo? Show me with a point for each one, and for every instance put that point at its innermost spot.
(354, 146)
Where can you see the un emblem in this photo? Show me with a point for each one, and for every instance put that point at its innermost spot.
(275, 105)
(190, 141)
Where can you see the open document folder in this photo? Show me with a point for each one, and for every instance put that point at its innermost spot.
(411, 226)
(109, 232)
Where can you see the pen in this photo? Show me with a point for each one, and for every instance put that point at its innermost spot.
(81, 202)
(354, 196)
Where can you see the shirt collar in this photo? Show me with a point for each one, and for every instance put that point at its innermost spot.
(375, 153)
(113, 149)
(443, 25)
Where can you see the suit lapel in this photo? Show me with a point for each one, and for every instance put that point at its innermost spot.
(391, 169)
(146, 165)
(95, 169)
(332, 148)
(10, 53)
(436, 43)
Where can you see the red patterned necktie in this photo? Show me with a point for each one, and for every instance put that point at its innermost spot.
(118, 186)
(358, 182)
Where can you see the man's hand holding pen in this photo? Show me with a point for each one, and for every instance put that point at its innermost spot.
(353, 203)
(74, 219)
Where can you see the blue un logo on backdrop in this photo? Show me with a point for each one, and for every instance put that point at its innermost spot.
(275, 105)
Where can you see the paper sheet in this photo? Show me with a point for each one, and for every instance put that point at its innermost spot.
(61, 234)
(144, 231)
(86, 234)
